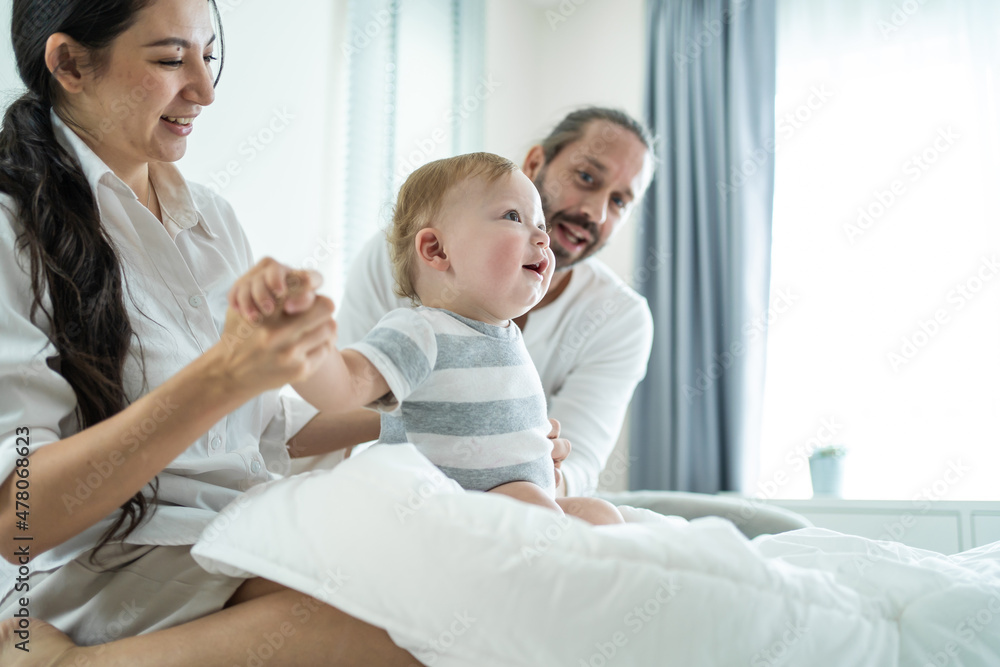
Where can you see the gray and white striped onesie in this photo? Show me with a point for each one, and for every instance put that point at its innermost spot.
(465, 393)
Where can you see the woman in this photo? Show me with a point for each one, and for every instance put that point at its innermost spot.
(133, 406)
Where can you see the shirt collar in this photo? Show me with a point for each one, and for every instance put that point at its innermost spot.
(176, 203)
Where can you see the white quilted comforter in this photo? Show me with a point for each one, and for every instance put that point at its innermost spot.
(481, 580)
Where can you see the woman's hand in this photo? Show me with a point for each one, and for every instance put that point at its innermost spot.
(256, 294)
(286, 342)
(560, 450)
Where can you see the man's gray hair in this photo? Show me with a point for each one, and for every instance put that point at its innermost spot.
(575, 124)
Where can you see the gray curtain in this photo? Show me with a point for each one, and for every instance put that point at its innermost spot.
(710, 102)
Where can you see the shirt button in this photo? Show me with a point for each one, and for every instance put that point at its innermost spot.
(216, 441)
(255, 466)
(195, 301)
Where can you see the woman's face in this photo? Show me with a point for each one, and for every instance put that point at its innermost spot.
(142, 104)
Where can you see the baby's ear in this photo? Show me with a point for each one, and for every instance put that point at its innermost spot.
(430, 249)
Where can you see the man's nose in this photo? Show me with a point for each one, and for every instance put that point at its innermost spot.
(595, 207)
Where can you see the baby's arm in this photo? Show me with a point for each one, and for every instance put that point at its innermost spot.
(345, 381)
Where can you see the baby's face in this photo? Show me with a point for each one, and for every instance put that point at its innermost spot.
(494, 237)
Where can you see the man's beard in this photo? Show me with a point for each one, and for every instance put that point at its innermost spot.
(564, 260)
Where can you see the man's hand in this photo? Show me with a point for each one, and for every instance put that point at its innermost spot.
(271, 284)
(560, 450)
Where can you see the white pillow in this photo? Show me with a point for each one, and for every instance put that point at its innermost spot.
(465, 578)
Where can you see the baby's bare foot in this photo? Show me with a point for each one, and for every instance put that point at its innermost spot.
(46, 646)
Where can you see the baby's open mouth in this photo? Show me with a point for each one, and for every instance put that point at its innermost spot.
(538, 267)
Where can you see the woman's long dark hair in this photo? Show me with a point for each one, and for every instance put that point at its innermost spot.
(72, 257)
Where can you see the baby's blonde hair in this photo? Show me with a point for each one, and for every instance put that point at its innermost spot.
(420, 200)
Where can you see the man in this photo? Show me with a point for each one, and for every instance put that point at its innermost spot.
(590, 335)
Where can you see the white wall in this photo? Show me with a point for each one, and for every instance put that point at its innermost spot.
(551, 56)
(271, 140)
(10, 84)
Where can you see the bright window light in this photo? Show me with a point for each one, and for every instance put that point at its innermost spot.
(887, 242)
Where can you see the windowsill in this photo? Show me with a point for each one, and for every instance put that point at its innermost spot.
(946, 526)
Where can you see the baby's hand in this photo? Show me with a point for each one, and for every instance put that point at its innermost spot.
(257, 293)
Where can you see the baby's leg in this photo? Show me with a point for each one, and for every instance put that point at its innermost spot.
(596, 511)
(527, 492)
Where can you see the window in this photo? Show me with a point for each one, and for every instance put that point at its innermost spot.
(887, 249)
(415, 95)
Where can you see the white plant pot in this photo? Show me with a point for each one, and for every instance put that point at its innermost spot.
(827, 474)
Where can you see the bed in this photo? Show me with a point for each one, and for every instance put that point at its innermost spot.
(478, 579)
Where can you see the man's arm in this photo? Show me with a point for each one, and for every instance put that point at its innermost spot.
(592, 401)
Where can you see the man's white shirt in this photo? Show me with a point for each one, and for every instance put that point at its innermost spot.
(590, 345)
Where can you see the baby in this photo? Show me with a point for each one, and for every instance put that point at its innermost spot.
(452, 375)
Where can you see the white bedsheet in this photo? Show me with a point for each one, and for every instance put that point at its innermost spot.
(479, 579)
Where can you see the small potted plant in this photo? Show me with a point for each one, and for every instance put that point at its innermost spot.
(827, 470)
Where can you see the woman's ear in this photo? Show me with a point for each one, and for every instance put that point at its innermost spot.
(533, 162)
(62, 57)
(430, 249)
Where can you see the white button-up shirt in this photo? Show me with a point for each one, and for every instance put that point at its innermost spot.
(176, 276)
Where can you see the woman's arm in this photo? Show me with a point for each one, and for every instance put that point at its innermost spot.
(247, 361)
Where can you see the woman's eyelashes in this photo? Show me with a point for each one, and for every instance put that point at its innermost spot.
(209, 59)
